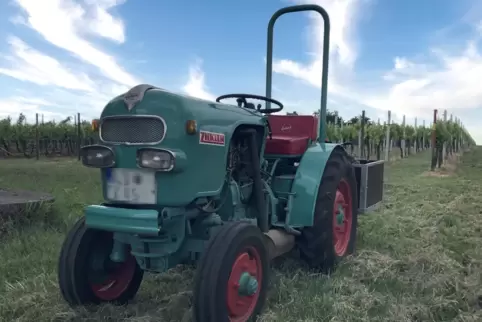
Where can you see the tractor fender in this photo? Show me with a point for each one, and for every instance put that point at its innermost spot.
(307, 183)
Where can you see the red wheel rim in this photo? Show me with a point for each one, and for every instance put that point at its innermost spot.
(116, 282)
(342, 218)
(242, 295)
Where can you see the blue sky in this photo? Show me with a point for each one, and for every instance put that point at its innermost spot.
(60, 57)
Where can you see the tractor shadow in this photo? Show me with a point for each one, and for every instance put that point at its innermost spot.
(162, 297)
(168, 296)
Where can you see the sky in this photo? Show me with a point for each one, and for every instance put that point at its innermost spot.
(62, 57)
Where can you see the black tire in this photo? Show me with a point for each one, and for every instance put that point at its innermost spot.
(75, 271)
(214, 273)
(316, 243)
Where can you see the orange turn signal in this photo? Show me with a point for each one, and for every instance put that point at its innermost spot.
(191, 127)
(95, 125)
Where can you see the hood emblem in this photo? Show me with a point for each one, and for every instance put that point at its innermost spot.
(135, 95)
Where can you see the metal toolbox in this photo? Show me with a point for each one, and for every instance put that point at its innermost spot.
(369, 175)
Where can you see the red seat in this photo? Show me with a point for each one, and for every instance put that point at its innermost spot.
(291, 134)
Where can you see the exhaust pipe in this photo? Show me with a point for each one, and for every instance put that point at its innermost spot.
(279, 242)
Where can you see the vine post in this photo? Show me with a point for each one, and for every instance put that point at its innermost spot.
(336, 126)
(444, 146)
(78, 136)
(452, 138)
(462, 139)
(434, 155)
(459, 139)
(387, 137)
(415, 143)
(423, 136)
(362, 135)
(456, 139)
(462, 143)
(37, 154)
(402, 142)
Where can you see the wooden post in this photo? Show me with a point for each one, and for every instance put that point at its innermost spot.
(423, 136)
(359, 140)
(444, 147)
(78, 136)
(362, 136)
(415, 144)
(434, 154)
(387, 137)
(37, 153)
(402, 141)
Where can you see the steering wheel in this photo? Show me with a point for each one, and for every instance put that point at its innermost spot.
(241, 99)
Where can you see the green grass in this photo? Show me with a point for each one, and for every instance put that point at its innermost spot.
(419, 257)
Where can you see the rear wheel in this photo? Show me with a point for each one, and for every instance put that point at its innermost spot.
(333, 234)
(87, 275)
(232, 277)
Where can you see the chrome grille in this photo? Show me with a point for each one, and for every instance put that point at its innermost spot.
(132, 129)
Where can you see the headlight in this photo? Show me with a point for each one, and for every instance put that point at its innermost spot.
(97, 156)
(157, 159)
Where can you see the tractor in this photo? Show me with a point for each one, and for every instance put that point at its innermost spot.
(225, 187)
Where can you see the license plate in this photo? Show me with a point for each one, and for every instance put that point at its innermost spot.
(133, 186)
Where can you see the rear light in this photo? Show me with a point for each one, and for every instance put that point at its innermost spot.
(157, 159)
(97, 156)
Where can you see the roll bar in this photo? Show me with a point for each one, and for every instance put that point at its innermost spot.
(326, 51)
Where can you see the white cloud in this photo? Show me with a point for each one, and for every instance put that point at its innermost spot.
(15, 105)
(195, 86)
(343, 52)
(451, 81)
(84, 80)
(28, 64)
(63, 23)
(88, 77)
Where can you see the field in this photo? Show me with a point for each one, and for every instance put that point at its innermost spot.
(419, 257)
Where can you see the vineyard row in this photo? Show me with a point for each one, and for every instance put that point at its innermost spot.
(63, 137)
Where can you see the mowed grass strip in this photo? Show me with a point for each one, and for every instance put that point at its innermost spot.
(419, 256)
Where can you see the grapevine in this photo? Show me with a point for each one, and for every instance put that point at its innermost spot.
(55, 138)
(61, 137)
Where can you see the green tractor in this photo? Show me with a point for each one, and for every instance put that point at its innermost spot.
(226, 187)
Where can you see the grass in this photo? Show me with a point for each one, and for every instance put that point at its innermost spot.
(419, 257)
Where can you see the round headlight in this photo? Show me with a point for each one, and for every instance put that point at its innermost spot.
(97, 156)
(155, 159)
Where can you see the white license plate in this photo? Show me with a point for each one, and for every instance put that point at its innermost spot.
(133, 186)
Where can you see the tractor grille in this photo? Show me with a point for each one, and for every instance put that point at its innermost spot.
(133, 130)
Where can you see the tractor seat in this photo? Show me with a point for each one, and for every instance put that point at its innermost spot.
(291, 134)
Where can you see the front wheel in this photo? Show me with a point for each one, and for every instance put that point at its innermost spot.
(232, 277)
(86, 274)
(333, 234)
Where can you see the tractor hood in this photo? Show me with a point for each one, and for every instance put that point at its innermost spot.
(196, 131)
